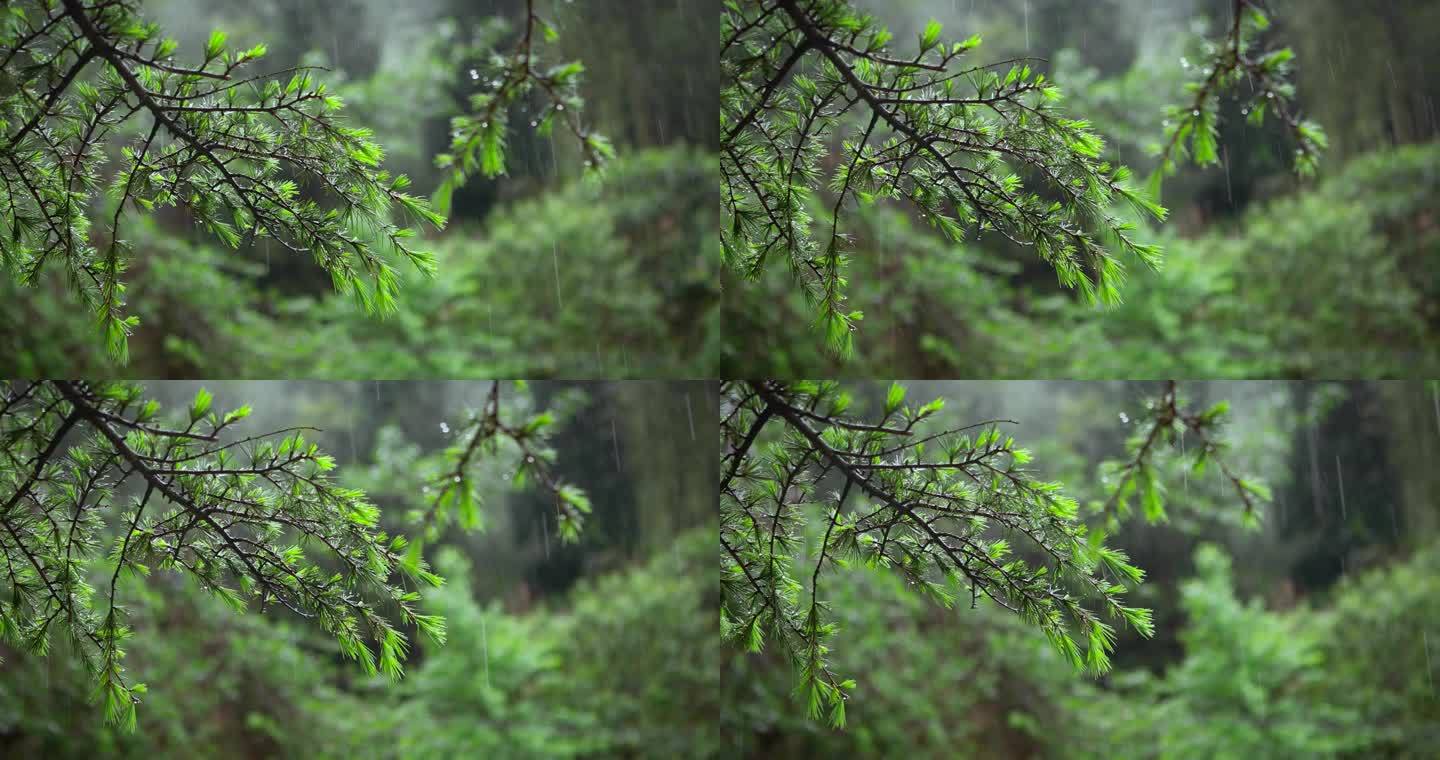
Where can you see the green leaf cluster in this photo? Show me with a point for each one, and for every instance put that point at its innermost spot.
(954, 512)
(249, 156)
(973, 149)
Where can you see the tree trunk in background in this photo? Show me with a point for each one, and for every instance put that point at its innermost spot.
(1414, 446)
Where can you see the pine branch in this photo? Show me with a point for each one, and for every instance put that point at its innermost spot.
(1169, 422)
(941, 509)
(233, 149)
(1193, 130)
(240, 513)
(478, 138)
(969, 148)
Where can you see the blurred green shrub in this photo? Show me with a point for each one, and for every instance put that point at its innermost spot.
(626, 667)
(628, 671)
(1342, 279)
(1352, 677)
(612, 277)
(1381, 640)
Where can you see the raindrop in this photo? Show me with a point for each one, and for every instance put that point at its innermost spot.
(559, 106)
(690, 415)
(615, 443)
(1435, 394)
(1124, 419)
(474, 74)
(1429, 669)
(485, 648)
(555, 260)
(1341, 476)
(1196, 112)
(444, 428)
(1027, 24)
(1225, 159)
(1184, 471)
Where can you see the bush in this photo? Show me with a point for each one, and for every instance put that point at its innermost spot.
(626, 668)
(612, 277)
(1342, 279)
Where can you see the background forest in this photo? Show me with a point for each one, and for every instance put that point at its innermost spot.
(1264, 274)
(602, 647)
(542, 271)
(1312, 634)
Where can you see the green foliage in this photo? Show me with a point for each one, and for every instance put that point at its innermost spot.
(1338, 281)
(478, 137)
(1241, 690)
(1192, 130)
(953, 511)
(481, 693)
(1169, 423)
(503, 441)
(625, 666)
(237, 516)
(1381, 647)
(231, 147)
(253, 521)
(970, 148)
(601, 278)
(626, 252)
(1350, 678)
(627, 670)
(933, 683)
(244, 685)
